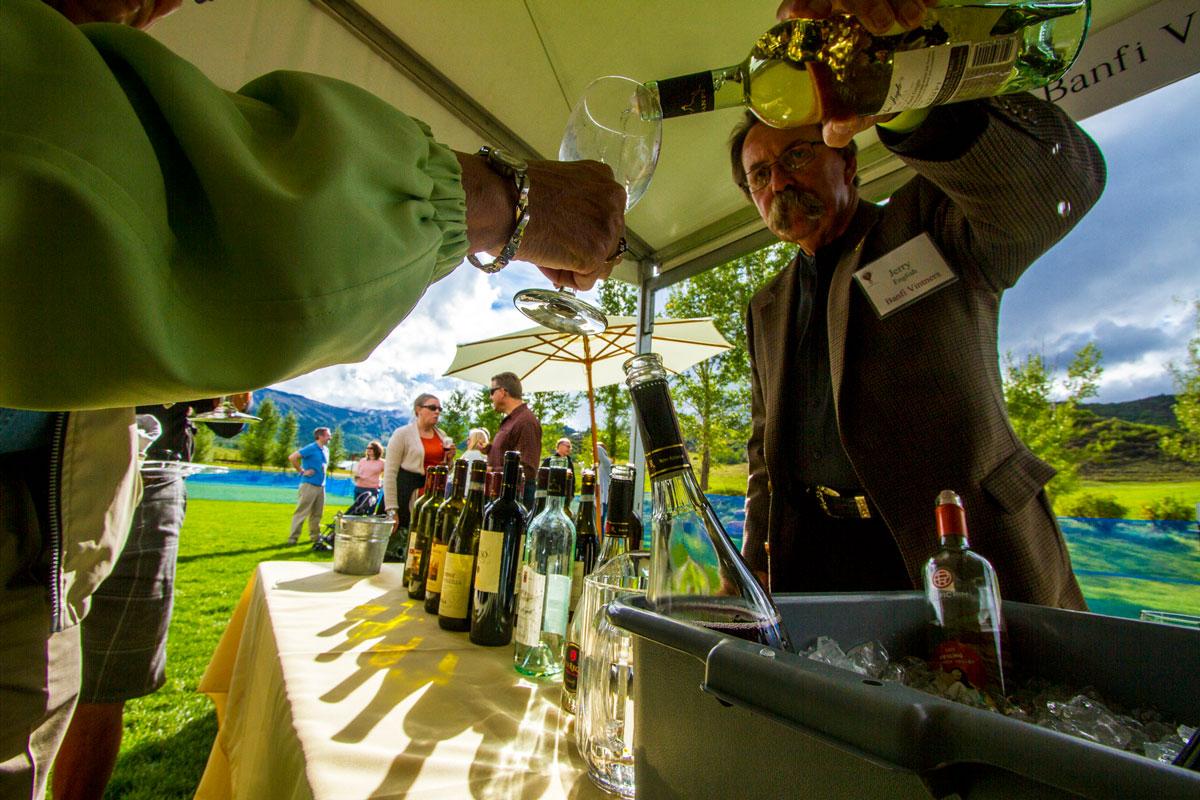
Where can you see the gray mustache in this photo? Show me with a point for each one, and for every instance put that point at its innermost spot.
(790, 201)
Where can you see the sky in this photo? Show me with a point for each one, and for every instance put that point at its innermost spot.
(1125, 278)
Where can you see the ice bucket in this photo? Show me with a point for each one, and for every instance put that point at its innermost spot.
(359, 543)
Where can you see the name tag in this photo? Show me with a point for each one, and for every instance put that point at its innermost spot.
(905, 275)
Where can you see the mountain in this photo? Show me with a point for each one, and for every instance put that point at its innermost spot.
(360, 425)
(1154, 410)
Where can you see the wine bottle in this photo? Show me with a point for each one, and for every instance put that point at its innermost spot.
(802, 71)
(458, 573)
(491, 487)
(418, 551)
(622, 530)
(443, 526)
(545, 591)
(572, 654)
(500, 550)
(586, 543)
(404, 536)
(966, 622)
(539, 493)
(696, 573)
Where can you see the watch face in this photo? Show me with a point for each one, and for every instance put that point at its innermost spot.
(506, 161)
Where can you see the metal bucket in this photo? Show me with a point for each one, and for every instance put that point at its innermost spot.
(359, 543)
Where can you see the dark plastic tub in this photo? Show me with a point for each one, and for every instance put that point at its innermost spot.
(720, 717)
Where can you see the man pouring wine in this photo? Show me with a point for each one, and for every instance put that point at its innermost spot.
(875, 375)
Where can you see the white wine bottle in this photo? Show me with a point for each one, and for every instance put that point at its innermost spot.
(802, 71)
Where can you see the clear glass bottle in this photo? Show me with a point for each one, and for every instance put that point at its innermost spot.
(966, 621)
(696, 573)
(545, 590)
(802, 71)
(458, 571)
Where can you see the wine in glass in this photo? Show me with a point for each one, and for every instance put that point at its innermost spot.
(606, 126)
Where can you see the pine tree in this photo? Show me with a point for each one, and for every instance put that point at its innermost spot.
(259, 438)
(337, 447)
(286, 442)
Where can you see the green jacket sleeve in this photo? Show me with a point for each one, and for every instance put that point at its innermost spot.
(163, 239)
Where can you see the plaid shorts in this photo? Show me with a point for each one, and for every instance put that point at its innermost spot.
(125, 633)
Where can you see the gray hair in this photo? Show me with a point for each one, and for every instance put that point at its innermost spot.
(317, 431)
(737, 140)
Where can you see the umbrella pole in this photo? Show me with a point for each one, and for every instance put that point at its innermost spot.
(591, 392)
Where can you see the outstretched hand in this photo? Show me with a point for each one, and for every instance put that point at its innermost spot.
(576, 217)
(877, 16)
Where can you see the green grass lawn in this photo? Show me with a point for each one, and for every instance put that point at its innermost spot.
(168, 734)
(731, 479)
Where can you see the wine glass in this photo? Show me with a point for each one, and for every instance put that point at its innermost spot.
(605, 125)
(225, 411)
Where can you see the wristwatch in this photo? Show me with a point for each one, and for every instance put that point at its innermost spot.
(509, 166)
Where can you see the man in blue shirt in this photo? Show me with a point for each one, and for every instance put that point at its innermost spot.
(310, 462)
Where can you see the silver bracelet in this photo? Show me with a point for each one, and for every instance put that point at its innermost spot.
(515, 168)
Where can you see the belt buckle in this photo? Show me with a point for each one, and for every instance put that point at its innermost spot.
(822, 492)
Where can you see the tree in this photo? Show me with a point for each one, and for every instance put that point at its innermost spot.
(553, 409)
(484, 415)
(456, 415)
(1185, 445)
(612, 402)
(286, 441)
(1052, 429)
(337, 447)
(203, 444)
(258, 439)
(715, 394)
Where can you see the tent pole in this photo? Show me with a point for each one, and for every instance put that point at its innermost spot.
(645, 332)
(591, 391)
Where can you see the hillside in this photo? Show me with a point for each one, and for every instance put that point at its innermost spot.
(1135, 454)
(1154, 410)
(360, 425)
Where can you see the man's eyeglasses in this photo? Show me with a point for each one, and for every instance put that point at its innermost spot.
(433, 408)
(794, 159)
(495, 389)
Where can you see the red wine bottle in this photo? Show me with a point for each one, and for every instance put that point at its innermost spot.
(418, 551)
(443, 526)
(458, 572)
(500, 540)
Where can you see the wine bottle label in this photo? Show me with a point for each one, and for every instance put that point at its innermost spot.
(437, 557)
(571, 667)
(529, 607)
(936, 75)
(576, 584)
(414, 561)
(687, 94)
(487, 570)
(962, 661)
(456, 582)
(558, 602)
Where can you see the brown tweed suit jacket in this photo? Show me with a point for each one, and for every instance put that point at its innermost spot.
(918, 395)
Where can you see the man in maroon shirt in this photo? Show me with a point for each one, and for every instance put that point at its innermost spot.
(520, 430)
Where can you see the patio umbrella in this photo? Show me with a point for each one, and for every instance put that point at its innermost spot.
(550, 361)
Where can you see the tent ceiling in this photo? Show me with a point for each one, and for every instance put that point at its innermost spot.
(507, 72)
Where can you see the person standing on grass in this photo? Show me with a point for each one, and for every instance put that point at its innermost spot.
(124, 636)
(310, 461)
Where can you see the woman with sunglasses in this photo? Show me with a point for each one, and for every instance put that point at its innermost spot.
(411, 450)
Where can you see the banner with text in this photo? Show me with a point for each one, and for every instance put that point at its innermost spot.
(1143, 52)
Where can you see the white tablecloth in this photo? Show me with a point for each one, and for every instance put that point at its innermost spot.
(337, 686)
